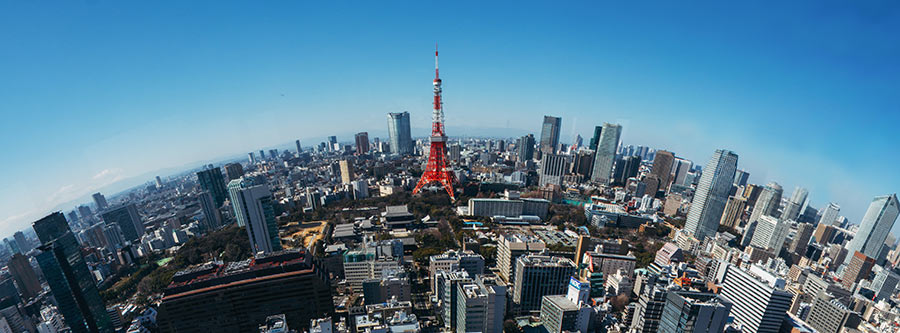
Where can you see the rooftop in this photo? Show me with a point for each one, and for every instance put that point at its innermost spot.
(213, 274)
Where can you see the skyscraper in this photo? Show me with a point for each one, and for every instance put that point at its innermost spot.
(525, 148)
(550, 134)
(362, 143)
(830, 214)
(875, 226)
(767, 204)
(234, 171)
(741, 177)
(128, 220)
(538, 275)
(606, 153)
(596, 138)
(770, 301)
(212, 180)
(212, 218)
(858, 267)
(712, 193)
(662, 168)
(680, 171)
(770, 233)
(346, 172)
(100, 200)
(734, 210)
(792, 207)
(67, 274)
(626, 167)
(553, 168)
(299, 149)
(332, 143)
(801, 239)
(21, 271)
(253, 208)
(694, 312)
(24, 246)
(400, 136)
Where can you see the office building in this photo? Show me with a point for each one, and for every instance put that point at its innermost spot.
(234, 171)
(253, 209)
(212, 180)
(393, 286)
(694, 312)
(741, 177)
(770, 234)
(127, 218)
(239, 296)
(70, 280)
(768, 202)
(539, 275)
(299, 148)
(399, 133)
(371, 261)
(100, 201)
(559, 314)
(801, 239)
(346, 172)
(596, 138)
(510, 247)
(480, 306)
(824, 234)
(509, 207)
(830, 214)
(525, 148)
(791, 211)
(553, 168)
(362, 142)
(734, 211)
(448, 283)
(550, 135)
(453, 260)
(858, 268)
(662, 169)
(605, 156)
(712, 193)
(649, 309)
(20, 268)
(23, 243)
(626, 167)
(212, 217)
(885, 283)
(770, 301)
(680, 171)
(669, 254)
(875, 226)
(829, 315)
(582, 164)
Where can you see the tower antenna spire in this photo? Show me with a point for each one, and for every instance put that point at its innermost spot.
(436, 60)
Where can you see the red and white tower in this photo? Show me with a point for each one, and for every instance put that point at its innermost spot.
(438, 168)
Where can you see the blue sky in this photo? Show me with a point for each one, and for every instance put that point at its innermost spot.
(95, 92)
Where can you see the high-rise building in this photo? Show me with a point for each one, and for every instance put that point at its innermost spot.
(824, 233)
(480, 306)
(510, 248)
(251, 158)
(583, 163)
(468, 261)
(596, 138)
(768, 202)
(346, 172)
(100, 201)
(538, 275)
(67, 274)
(680, 171)
(332, 143)
(127, 218)
(85, 212)
(21, 271)
(253, 208)
(23, 243)
(770, 301)
(212, 218)
(299, 148)
(694, 312)
(734, 210)
(525, 148)
(712, 193)
(605, 156)
(859, 266)
(801, 238)
(399, 133)
(648, 310)
(262, 155)
(830, 214)
(553, 168)
(876, 224)
(770, 233)
(559, 314)
(212, 180)
(885, 283)
(792, 208)
(234, 171)
(550, 134)
(829, 315)
(239, 296)
(455, 153)
(741, 177)
(626, 167)
(662, 168)
(362, 143)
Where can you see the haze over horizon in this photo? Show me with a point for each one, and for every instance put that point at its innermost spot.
(97, 92)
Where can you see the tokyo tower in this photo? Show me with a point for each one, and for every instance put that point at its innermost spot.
(438, 169)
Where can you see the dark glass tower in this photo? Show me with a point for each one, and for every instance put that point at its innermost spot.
(212, 180)
(68, 276)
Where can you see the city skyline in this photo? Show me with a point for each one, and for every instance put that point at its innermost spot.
(799, 128)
